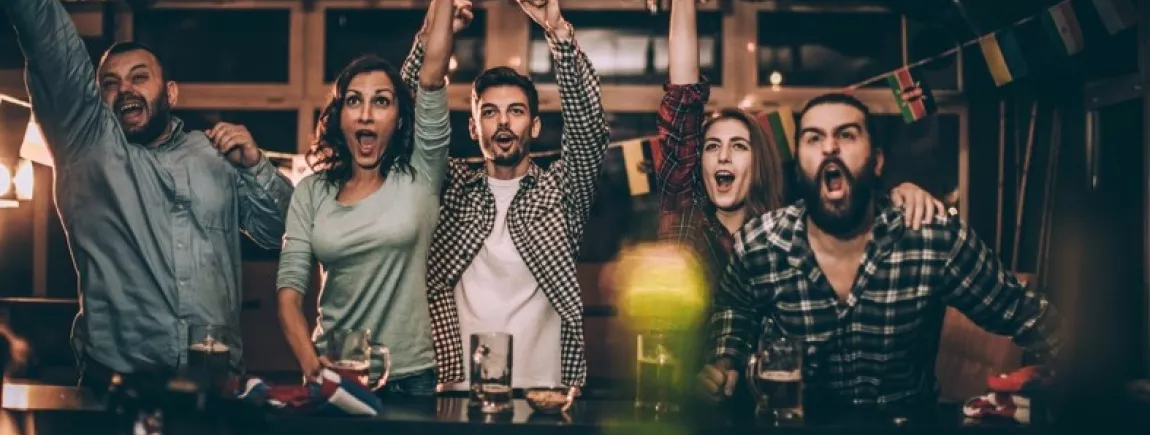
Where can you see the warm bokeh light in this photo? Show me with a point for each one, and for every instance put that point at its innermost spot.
(34, 147)
(5, 179)
(23, 180)
(661, 287)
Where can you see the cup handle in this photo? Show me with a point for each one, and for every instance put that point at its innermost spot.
(385, 355)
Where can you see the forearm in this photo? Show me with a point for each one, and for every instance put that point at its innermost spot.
(432, 135)
(265, 195)
(60, 78)
(439, 39)
(683, 43)
(295, 329)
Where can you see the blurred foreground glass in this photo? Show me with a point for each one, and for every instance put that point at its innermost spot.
(775, 377)
(491, 372)
(350, 352)
(209, 354)
(657, 373)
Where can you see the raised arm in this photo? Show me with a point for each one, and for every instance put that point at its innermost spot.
(461, 18)
(585, 133)
(432, 124)
(680, 127)
(60, 78)
(979, 286)
(294, 275)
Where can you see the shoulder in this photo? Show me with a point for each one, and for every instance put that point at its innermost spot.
(773, 229)
(941, 234)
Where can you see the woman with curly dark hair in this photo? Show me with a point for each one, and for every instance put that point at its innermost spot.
(368, 213)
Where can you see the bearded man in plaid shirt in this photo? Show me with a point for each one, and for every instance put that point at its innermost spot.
(841, 271)
(504, 251)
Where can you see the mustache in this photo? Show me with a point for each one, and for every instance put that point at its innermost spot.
(835, 160)
(501, 130)
(130, 97)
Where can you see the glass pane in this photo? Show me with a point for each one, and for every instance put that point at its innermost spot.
(827, 49)
(923, 42)
(214, 45)
(1116, 57)
(629, 47)
(389, 33)
(272, 130)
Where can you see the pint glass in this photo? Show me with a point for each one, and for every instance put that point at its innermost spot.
(209, 354)
(775, 378)
(350, 352)
(491, 356)
(657, 375)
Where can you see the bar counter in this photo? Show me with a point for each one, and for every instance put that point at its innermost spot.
(44, 409)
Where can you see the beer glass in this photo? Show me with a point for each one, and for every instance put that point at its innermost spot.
(774, 376)
(209, 354)
(491, 355)
(657, 375)
(349, 352)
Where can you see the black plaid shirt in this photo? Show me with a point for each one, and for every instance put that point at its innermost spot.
(878, 345)
(546, 217)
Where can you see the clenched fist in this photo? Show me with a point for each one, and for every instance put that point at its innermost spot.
(235, 143)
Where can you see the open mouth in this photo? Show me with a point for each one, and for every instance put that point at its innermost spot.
(504, 139)
(723, 180)
(834, 179)
(130, 109)
(367, 140)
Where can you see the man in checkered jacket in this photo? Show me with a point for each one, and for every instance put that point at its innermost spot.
(503, 255)
(841, 271)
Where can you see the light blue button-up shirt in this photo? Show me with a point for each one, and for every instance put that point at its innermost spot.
(154, 232)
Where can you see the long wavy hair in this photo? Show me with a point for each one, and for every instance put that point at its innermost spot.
(768, 189)
(330, 156)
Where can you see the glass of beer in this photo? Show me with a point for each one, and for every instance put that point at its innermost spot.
(775, 378)
(350, 352)
(657, 375)
(491, 355)
(209, 354)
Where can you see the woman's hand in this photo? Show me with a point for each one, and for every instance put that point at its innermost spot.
(917, 204)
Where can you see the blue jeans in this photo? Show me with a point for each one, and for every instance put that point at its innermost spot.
(420, 384)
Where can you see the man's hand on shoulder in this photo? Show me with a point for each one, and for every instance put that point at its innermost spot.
(235, 142)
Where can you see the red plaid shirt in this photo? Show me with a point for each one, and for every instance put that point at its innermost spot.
(686, 215)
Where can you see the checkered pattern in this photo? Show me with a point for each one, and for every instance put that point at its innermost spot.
(684, 210)
(546, 218)
(873, 347)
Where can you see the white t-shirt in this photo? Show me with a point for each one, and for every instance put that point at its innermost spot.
(498, 293)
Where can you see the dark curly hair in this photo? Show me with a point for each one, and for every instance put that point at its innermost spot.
(330, 156)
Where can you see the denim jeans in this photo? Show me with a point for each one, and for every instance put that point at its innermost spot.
(416, 384)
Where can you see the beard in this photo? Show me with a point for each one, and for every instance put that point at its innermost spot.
(844, 217)
(155, 125)
(511, 157)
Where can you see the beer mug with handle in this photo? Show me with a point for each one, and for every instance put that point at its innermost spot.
(774, 377)
(209, 359)
(350, 352)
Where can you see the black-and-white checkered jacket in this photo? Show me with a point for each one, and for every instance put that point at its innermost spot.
(546, 217)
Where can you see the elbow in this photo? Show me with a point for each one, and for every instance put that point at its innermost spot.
(432, 82)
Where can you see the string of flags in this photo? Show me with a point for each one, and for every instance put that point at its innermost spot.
(1004, 56)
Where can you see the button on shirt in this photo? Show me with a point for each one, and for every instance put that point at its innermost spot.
(154, 232)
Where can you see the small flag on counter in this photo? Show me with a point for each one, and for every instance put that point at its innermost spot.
(1061, 23)
(780, 128)
(917, 109)
(1116, 15)
(1003, 57)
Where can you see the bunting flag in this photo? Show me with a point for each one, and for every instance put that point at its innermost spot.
(912, 111)
(1003, 57)
(780, 128)
(1061, 24)
(635, 160)
(1116, 15)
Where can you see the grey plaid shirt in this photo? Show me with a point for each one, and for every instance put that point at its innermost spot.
(876, 347)
(546, 217)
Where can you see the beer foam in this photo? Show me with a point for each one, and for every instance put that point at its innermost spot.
(781, 376)
(350, 365)
(209, 347)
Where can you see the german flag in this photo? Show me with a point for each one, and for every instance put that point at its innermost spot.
(912, 111)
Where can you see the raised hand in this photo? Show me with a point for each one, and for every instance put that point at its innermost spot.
(546, 13)
(462, 15)
(235, 143)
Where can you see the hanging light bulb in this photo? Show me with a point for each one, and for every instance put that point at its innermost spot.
(23, 180)
(776, 78)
